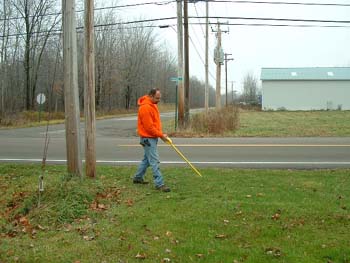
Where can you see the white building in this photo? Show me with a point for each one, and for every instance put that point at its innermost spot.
(321, 88)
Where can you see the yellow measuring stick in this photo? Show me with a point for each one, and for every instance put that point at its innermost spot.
(170, 142)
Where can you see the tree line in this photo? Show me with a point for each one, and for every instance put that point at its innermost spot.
(129, 60)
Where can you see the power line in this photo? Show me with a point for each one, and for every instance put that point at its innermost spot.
(273, 19)
(277, 3)
(198, 16)
(200, 57)
(97, 9)
(217, 17)
(283, 25)
(172, 1)
(230, 18)
(59, 31)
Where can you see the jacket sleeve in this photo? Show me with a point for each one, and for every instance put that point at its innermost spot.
(149, 123)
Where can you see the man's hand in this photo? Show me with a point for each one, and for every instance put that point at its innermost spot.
(165, 138)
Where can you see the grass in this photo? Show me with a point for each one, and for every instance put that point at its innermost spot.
(294, 124)
(228, 215)
(277, 124)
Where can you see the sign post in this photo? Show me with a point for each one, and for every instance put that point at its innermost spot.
(40, 99)
(176, 79)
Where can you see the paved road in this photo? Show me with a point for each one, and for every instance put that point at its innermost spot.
(117, 144)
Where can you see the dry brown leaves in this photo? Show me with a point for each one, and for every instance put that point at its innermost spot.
(110, 194)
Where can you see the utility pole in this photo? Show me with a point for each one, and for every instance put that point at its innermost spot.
(206, 100)
(218, 61)
(233, 93)
(227, 60)
(180, 54)
(70, 73)
(89, 91)
(187, 73)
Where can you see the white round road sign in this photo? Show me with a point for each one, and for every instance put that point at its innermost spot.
(40, 98)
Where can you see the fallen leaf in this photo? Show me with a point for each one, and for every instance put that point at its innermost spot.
(97, 206)
(276, 252)
(24, 221)
(87, 238)
(40, 227)
(276, 216)
(220, 236)
(199, 255)
(248, 196)
(129, 202)
(101, 206)
(175, 242)
(141, 256)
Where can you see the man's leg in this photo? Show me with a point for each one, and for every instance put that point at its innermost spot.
(153, 159)
(141, 170)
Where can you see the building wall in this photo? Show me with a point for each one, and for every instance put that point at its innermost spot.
(305, 95)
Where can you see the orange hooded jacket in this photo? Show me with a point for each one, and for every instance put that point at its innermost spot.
(148, 121)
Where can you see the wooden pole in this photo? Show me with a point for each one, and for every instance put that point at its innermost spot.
(226, 61)
(218, 71)
(180, 61)
(70, 71)
(89, 91)
(206, 102)
(187, 72)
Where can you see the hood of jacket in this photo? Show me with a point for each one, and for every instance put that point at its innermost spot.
(145, 100)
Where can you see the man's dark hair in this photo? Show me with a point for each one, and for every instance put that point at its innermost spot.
(153, 92)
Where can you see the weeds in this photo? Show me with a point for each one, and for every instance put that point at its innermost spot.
(215, 122)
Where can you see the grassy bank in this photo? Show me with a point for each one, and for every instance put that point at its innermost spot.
(229, 215)
(294, 124)
(277, 124)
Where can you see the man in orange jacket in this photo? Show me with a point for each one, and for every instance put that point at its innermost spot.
(149, 128)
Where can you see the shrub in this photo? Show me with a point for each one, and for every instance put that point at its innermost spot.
(216, 121)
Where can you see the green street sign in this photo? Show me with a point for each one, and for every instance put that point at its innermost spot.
(175, 78)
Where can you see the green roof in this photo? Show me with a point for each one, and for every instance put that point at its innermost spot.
(321, 73)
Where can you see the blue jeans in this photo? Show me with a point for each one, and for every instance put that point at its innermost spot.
(150, 158)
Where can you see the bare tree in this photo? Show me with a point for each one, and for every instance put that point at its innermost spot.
(129, 60)
(250, 89)
(5, 29)
(38, 26)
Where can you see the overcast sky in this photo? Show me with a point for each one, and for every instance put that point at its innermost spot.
(254, 47)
